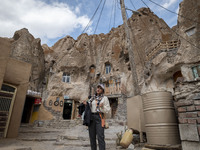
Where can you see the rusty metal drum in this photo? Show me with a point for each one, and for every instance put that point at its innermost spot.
(160, 118)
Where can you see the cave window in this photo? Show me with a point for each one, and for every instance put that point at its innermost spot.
(100, 81)
(196, 71)
(190, 31)
(66, 78)
(108, 68)
(177, 75)
(57, 99)
(92, 69)
(129, 67)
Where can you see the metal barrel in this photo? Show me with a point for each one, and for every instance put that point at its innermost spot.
(160, 119)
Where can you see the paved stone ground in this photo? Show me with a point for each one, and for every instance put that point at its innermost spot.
(74, 137)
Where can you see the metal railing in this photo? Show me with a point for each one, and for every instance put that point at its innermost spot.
(7, 97)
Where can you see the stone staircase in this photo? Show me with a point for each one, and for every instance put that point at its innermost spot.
(69, 134)
(78, 137)
(58, 123)
(73, 136)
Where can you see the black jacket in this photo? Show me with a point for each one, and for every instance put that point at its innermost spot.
(87, 116)
(81, 108)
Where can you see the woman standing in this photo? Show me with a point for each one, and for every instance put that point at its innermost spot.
(100, 106)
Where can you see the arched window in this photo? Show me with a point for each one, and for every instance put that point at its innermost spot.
(66, 78)
(177, 75)
(108, 68)
(92, 68)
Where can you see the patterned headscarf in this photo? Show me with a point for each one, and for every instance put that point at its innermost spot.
(98, 98)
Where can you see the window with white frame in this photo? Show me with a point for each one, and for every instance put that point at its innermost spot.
(57, 99)
(190, 31)
(66, 78)
(196, 71)
(108, 68)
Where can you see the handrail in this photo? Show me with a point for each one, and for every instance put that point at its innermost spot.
(168, 45)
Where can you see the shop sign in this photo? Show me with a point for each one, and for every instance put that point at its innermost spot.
(66, 97)
(68, 101)
(38, 101)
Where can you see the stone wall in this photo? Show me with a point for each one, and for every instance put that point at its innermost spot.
(69, 55)
(86, 59)
(187, 103)
(28, 49)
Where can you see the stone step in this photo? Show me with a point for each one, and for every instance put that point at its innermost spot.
(37, 139)
(83, 138)
(83, 143)
(88, 148)
(59, 124)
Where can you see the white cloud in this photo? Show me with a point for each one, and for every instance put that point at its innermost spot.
(169, 3)
(77, 10)
(46, 21)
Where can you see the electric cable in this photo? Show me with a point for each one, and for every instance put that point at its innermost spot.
(92, 17)
(139, 17)
(174, 12)
(131, 30)
(111, 15)
(178, 33)
(99, 16)
(144, 25)
(115, 13)
(132, 4)
(106, 40)
(185, 39)
(128, 21)
(145, 3)
(83, 30)
(118, 5)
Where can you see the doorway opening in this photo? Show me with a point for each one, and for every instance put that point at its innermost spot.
(67, 109)
(28, 107)
(177, 75)
(113, 105)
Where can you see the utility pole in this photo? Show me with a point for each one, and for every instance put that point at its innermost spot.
(130, 50)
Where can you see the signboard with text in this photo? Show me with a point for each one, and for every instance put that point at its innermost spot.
(38, 101)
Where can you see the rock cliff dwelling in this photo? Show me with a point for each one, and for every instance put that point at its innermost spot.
(64, 75)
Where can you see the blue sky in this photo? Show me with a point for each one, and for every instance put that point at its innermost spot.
(51, 20)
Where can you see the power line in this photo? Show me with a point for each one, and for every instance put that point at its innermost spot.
(139, 17)
(145, 3)
(175, 31)
(132, 4)
(99, 16)
(115, 13)
(119, 4)
(185, 39)
(111, 15)
(133, 37)
(83, 30)
(173, 12)
(92, 17)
